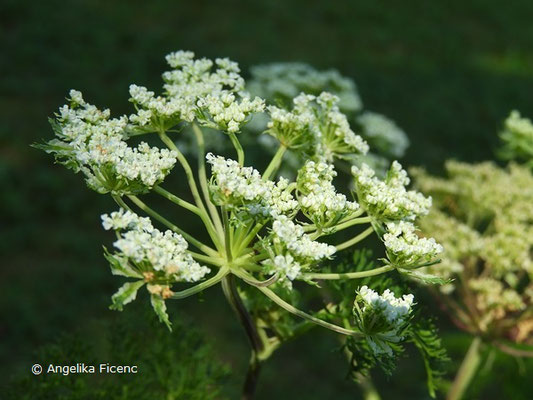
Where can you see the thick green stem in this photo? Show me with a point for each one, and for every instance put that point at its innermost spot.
(227, 235)
(152, 213)
(467, 370)
(275, 162)
(367, 387)
(233, 297)
(238, 148)
(203, 178)
(348, 275)
(293, 310)
(356, 239)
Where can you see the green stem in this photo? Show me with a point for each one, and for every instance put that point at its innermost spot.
(275, 162)
(178, 201)
(250, 280)
(203, 178)
(222, 272)
(356, 239)
(219, 262)
(246, 241)
(341, 223)
(348, 275)
(351, 222)
(467, 370)
(340, 227)
(121, 202)
(152, 213)
(191, 207)
(185, 164)
(367, 387)
(227, 234)
(238, 148)
(233, 297)
(293, 310)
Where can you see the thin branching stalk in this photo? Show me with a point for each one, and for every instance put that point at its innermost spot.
(275, 162)
(222, 272)
(195, 242)
(202, 176)
(293, 310)
(356, 239)
(347, 275)
(187, 168)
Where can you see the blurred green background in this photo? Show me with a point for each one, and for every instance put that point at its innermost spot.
(447, 72)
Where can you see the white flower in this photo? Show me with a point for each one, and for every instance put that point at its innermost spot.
(285, 266)
(382, 317)
(237, 186)
(95, 144)
(125, 219)
(292, 237)
(389, 200)
(165, 253)
(395, 309)
(319, 201)
(405, 248)
(315, 125)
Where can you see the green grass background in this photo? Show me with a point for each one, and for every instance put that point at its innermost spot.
(447, 71)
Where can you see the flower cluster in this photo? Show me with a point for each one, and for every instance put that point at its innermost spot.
(517, 137)
(406, 249)
(382, 317)
(288, 237)
(243, 188)
(318, 198)
(483, 218)
(194, 92)
(281, 82)
(383, 133)
(388, 200)
(285, 267)
(159, 257)
(316, 126)
(90, 142)
(252, 220)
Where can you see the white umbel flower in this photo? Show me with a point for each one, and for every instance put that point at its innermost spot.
(389, 200)
(292, 237)
(162, 254)
(91, 142)
(319, 200)
(285, 266)
(405, 248)
(382, 317)
(243, 187)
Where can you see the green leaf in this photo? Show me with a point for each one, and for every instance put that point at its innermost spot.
(424, 278)
(425, 337)
(120, 267)
(126, 294)
(160, 309)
